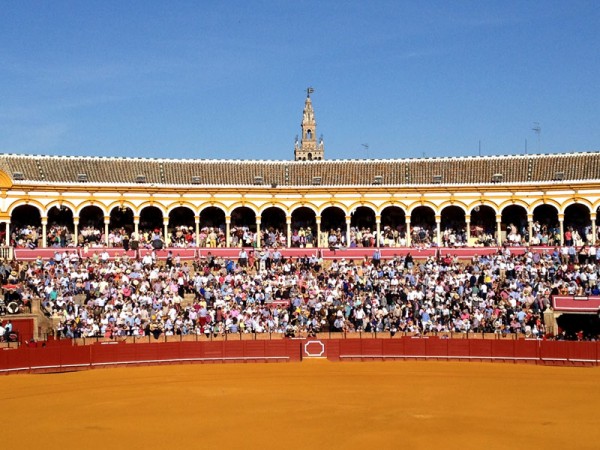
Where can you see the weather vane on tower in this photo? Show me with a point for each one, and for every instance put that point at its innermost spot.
(309, 91)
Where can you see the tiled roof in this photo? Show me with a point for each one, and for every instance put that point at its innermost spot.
(398, 172)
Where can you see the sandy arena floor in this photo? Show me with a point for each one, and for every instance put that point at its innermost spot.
(309, 405)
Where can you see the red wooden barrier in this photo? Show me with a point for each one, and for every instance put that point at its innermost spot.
(458, 349)
(103, 354)
(436, 348)
(276, 348)
(17, 360)
(503, 350)
(480, 349)
(554, 352)
(75, 357)
(191, 350)
(527, 351)
(148, 352)
(126, 353)
(51, 342)
(4, 357)
(350, 349)
(333, 349)
(45, 358)
(415, 347)
(234, 349)
(213, 350)
(372, 348)
(254, 349)
(583, 353)
(393, 347)
(62, 356)
(175, 353)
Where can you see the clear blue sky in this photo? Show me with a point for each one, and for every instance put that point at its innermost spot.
(227, 79)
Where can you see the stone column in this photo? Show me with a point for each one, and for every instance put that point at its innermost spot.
(499, 229)
(44, 231)
(318, 231)
(106, 222)
(438, 228)
(348, 219)
(197, 223)
(258, 221)
(468, 224)
(7, 225)
(530, 226)
(593, 218)
(288, 222)
(166, 231)
(76, 229)
(408, 231)
(561, 221)
(136, 226)
(550, 321)
(378, 235)
(227, 230)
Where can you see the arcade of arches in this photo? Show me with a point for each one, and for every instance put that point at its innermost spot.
(60, 225)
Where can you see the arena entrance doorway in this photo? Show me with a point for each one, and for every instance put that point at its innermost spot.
(578, 326)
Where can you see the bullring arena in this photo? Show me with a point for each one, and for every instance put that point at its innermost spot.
(314, 404)
(416, 303)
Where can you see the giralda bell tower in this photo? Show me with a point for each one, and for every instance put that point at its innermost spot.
(308, 149)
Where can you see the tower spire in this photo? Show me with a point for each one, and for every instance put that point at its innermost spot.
(308, 148)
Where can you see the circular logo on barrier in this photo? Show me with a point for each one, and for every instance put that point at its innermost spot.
(314, 349)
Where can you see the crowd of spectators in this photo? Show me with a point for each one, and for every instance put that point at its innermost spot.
(273, 237)
(263, 292)
(182, 237)
(422, 235)
(118, 237)
(242, 236)
(543, 234)
(59, 236)
(212, 237)
(362, 237)
(25, 236)
(303, 237)
(454, 236)
(91, 236)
